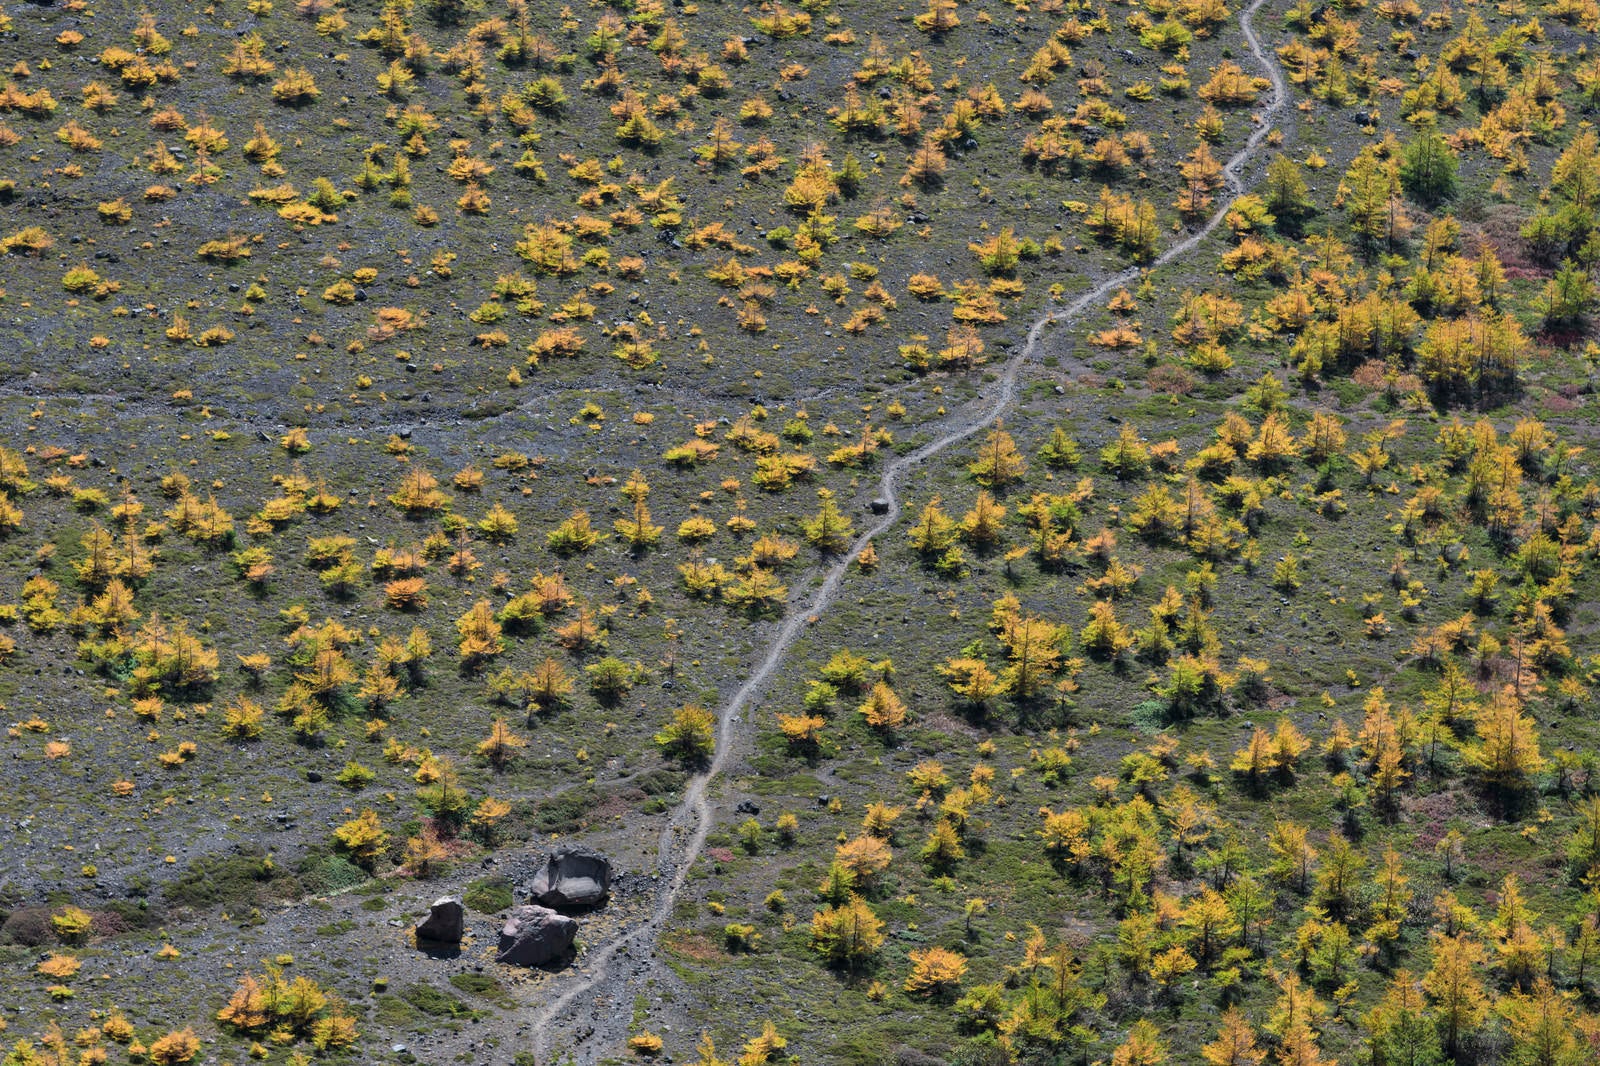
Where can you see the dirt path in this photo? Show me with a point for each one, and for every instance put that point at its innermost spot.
(598, 995)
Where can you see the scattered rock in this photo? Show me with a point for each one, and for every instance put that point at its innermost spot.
(879, 506)
(573, 877)
(534, 935)
(746, 807)
(446, 922)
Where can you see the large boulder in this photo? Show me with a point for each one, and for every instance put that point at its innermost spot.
(533, 936)
(446, 922)
(573, 877)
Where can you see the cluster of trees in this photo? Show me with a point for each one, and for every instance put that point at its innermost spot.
(1438, 308)
(296, 1009)
(1448, 978)
(1295, 929)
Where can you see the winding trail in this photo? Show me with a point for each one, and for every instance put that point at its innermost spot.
(610, 968)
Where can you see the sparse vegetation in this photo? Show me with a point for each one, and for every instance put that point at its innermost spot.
(1206, 668)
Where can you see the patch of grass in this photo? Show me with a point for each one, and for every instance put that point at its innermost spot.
(484, 986)
(245, 878)
(435, 1003)
(567, 812)
(659, 782)
(329, 873)
(136, 914)
(395, 1013)
(864, 1047)
(489, 895)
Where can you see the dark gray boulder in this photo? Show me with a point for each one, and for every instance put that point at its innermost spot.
(573, 877)
(533, 936)
(446, 922)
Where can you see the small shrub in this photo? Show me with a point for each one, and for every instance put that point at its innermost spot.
(175, 1047)
(72, 924)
